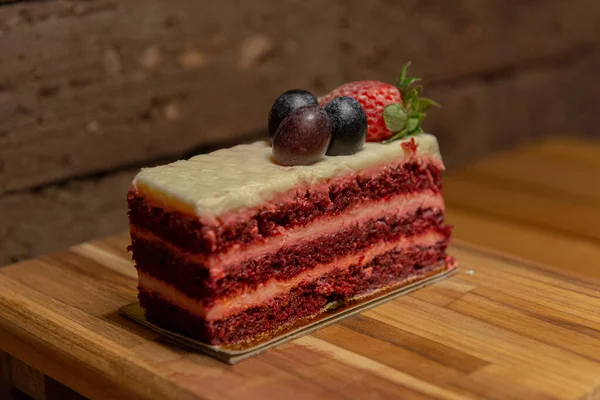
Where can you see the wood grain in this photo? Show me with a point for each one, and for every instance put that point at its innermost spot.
(540, 202)
(498, 321)
(548, 212)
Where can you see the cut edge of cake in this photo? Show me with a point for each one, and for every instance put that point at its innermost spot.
(226, 265)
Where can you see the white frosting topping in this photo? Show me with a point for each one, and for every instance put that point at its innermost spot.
(245, 176)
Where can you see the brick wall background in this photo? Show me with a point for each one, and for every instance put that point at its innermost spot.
(92, 90)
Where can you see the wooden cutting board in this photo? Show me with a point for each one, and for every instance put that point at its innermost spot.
(500, 328)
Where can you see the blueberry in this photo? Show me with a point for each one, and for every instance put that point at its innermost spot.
(285, 104)
(349, 126)
(302, 137)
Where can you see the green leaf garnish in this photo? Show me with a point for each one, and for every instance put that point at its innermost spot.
(425, 104)
(395, 117)
(405, 120)
(412, 125)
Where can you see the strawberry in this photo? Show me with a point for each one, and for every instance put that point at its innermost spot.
(373, 96)
(393, 112)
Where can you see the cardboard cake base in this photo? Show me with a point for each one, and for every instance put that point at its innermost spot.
(236, 353)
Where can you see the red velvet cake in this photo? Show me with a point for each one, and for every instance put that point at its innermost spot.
(232, 246)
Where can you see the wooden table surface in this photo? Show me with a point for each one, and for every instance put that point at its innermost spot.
(540, 202)
(501, 328)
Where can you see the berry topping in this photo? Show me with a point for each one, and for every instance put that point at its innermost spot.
(348, 126)
(373, 96)
(393, 112)
(285, 104)
(302, 137)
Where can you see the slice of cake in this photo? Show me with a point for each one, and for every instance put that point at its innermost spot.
(240, 243)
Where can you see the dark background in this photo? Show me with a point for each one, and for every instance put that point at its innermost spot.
(90, 91)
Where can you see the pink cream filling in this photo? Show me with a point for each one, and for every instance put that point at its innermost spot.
(400, 205)
(223, 308)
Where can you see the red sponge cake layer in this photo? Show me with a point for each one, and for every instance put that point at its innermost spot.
(191, 277)
(308, 299)
(228, 259)
(296, 209)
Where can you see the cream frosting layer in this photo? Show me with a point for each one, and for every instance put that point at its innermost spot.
(223, 308)
(398, 206)
(245, 176)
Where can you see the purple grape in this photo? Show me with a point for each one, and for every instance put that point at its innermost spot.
(349, 126)
(285, 104)
(302, 137)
